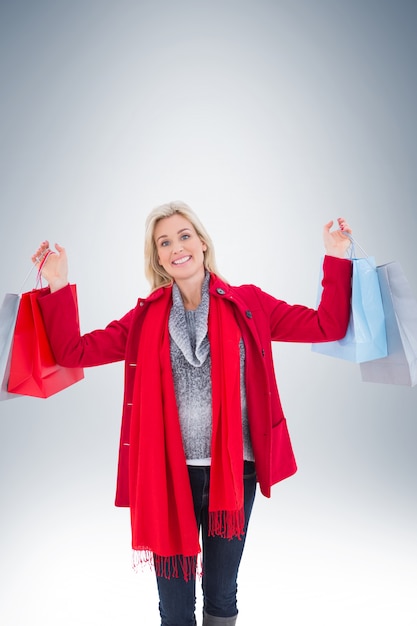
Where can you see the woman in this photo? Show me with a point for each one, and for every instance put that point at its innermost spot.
(202, 420)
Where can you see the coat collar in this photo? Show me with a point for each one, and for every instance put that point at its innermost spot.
(219, 289)
(156, 295)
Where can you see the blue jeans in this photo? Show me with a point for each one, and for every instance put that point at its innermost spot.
(221, 560)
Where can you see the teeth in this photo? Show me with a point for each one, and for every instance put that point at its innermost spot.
(180, 261)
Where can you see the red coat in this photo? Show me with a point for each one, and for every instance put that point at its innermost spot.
(261, 318)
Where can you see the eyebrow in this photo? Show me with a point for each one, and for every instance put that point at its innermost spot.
(178, 233)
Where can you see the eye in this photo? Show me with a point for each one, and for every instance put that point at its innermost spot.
(164, 243)
(185, 236)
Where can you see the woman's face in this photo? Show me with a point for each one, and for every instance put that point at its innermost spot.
(180, 249)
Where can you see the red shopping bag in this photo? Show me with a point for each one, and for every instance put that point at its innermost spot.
(33, 369)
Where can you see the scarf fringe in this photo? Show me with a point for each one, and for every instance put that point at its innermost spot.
(188, 567)
(227, 524)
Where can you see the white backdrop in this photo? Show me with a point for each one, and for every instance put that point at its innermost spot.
(269, 119)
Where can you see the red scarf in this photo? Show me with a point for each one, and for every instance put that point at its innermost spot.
(164, 528)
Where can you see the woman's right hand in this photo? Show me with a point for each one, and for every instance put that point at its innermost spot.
(55, 268)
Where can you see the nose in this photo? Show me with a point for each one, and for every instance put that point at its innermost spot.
(178, 247)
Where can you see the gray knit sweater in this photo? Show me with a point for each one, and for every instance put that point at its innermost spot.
(191, 364)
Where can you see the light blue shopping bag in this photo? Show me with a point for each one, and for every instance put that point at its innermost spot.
(366, 338)
(399, 367)
(8, 314)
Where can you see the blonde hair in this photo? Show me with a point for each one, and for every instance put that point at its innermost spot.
(154, 272)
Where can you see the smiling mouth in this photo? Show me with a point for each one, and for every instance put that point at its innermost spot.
(184, 259)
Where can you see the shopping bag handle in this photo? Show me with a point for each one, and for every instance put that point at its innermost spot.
(41, 264)
(354, 245)
(38, 283)
(26, 278)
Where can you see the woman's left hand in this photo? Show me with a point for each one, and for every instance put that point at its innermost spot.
(336, 242)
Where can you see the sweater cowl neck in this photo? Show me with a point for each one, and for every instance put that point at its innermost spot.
(188, 329)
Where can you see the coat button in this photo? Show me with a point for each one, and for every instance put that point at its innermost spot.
(141, 303)
(220, 291)
(249, 314)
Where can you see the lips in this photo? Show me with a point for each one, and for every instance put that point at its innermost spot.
(182, 260)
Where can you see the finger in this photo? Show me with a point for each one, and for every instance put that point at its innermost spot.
(328, 226)
(346, 229)
(44, 245)
(343, 225)
(44, 259)
(36, 258)
(40, 252)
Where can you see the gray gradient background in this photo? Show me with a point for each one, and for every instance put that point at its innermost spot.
(269, 118)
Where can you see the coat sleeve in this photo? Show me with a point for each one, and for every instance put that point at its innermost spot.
(70, 348)
(328, 322)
